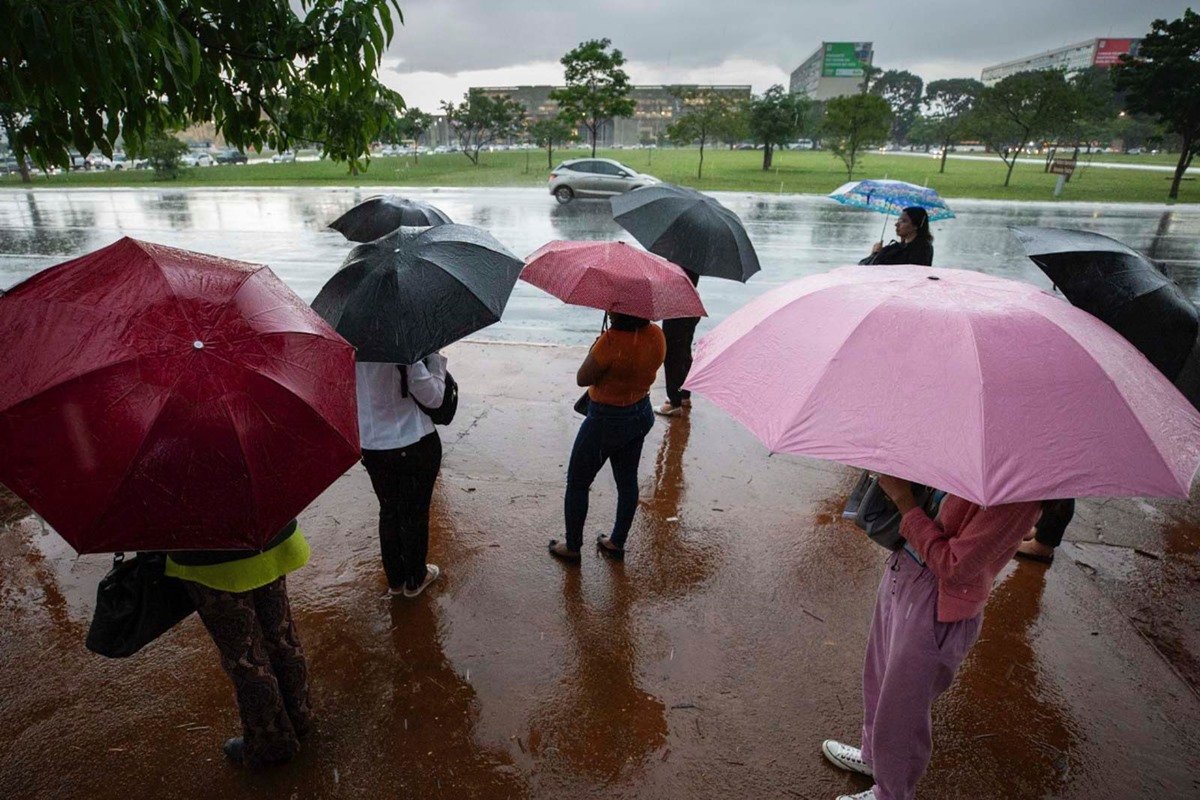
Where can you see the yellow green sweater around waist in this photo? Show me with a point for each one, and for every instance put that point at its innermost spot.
(247, 574)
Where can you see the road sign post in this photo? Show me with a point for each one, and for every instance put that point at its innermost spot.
(1063, 168)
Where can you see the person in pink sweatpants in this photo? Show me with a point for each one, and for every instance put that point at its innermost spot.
(928, 613)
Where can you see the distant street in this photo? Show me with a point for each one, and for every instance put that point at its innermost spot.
(795, 235)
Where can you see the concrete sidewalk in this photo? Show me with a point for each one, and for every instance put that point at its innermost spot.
(710, 664)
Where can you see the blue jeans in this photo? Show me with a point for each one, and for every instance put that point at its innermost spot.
(614, 434)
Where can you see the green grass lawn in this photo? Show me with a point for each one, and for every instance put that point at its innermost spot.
(793, 172)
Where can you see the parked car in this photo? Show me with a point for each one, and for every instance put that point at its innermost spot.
(286, 157)
(196, 158)
(231, 156)
(595, 177)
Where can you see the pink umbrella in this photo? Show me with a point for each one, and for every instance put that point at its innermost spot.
(988, 388)
(613, 276)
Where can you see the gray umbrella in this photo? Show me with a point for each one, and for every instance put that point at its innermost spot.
(688, 228)
(381, 215)
(401, 297)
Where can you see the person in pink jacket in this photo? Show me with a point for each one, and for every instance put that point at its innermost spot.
(928, 613)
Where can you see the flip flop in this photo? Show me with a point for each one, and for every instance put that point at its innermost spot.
(565, 554)
(1034, 557)
(609, 550)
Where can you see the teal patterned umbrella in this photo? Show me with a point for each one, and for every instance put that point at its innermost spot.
(892, 197)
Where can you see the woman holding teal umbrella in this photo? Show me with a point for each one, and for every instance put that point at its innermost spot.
(913, 243)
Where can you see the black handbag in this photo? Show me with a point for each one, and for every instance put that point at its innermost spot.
(135, 604)
(443, 414)
(581, 405)
(874, 512)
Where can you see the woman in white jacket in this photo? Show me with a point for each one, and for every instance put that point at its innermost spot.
(403, 454)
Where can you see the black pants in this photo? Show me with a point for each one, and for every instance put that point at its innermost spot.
(1056, 516)
(678, 333)
(403, 480)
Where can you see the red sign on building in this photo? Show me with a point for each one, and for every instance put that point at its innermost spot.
(1109, 51)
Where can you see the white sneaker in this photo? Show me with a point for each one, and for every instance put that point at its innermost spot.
(869, 794)
(848, 758)
(431, 574)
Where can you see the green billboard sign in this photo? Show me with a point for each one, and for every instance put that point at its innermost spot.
(842, 60)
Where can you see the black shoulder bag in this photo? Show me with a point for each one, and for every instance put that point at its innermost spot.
(443, 414)
(874, 512)
(136, 602)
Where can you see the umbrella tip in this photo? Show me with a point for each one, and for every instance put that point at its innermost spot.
(933, 277)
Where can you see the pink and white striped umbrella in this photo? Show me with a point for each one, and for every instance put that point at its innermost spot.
(613, 276)
(985, 387)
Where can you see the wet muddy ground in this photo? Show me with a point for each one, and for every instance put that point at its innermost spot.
(710, 664)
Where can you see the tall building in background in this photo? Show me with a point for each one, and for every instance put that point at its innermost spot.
(835, 69)
(655, 108)
(1070, 59)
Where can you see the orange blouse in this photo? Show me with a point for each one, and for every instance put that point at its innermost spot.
(631, 360)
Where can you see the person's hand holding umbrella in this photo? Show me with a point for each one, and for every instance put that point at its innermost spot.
(900, 491)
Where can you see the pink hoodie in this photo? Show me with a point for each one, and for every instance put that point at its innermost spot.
(966, 548)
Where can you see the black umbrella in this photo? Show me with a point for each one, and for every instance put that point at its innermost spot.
(1128, 292)
(401, 297)
(689, 228)
(381, 215)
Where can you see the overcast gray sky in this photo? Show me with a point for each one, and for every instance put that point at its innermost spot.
(446, 46)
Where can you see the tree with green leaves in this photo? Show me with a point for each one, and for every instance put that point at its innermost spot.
(853, 123)
(1019, 109)
(1163, 80)
(902, 91)
(550, 132)
(342, 125)
(596, 89)
(84, 75)
(947, 104)
(163, 151)
(411, 126)
(703, 112)
(776, 118)
(735, 126)
(481, 119)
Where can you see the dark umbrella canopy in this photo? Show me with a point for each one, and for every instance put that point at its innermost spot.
(688, 228)
(381, 215)
(399, 298)
(1127, 291)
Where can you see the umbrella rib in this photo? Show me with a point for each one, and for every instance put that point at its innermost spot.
(71, 379)
(353, 445)
(1120, 394)
(141, 449)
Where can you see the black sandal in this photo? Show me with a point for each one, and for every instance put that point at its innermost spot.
(606, 547)
(563, 553)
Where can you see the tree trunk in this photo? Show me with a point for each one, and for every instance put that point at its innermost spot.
(1185, 160)
(550, 156)
(23, 167)
(700, 169)
(767, 155)
(595, 131)
(945, 149)
(1012, 163)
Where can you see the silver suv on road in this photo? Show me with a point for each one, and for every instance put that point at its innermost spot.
(595, 177)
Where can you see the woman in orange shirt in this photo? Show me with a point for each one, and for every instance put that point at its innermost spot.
(618, 372)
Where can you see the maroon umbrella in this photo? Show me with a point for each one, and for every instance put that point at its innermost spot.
(159, 399)
(613, 276)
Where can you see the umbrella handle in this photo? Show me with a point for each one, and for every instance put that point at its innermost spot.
(883, 230)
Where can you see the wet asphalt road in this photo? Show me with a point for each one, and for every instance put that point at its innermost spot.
(709, 665)
(794, 235)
